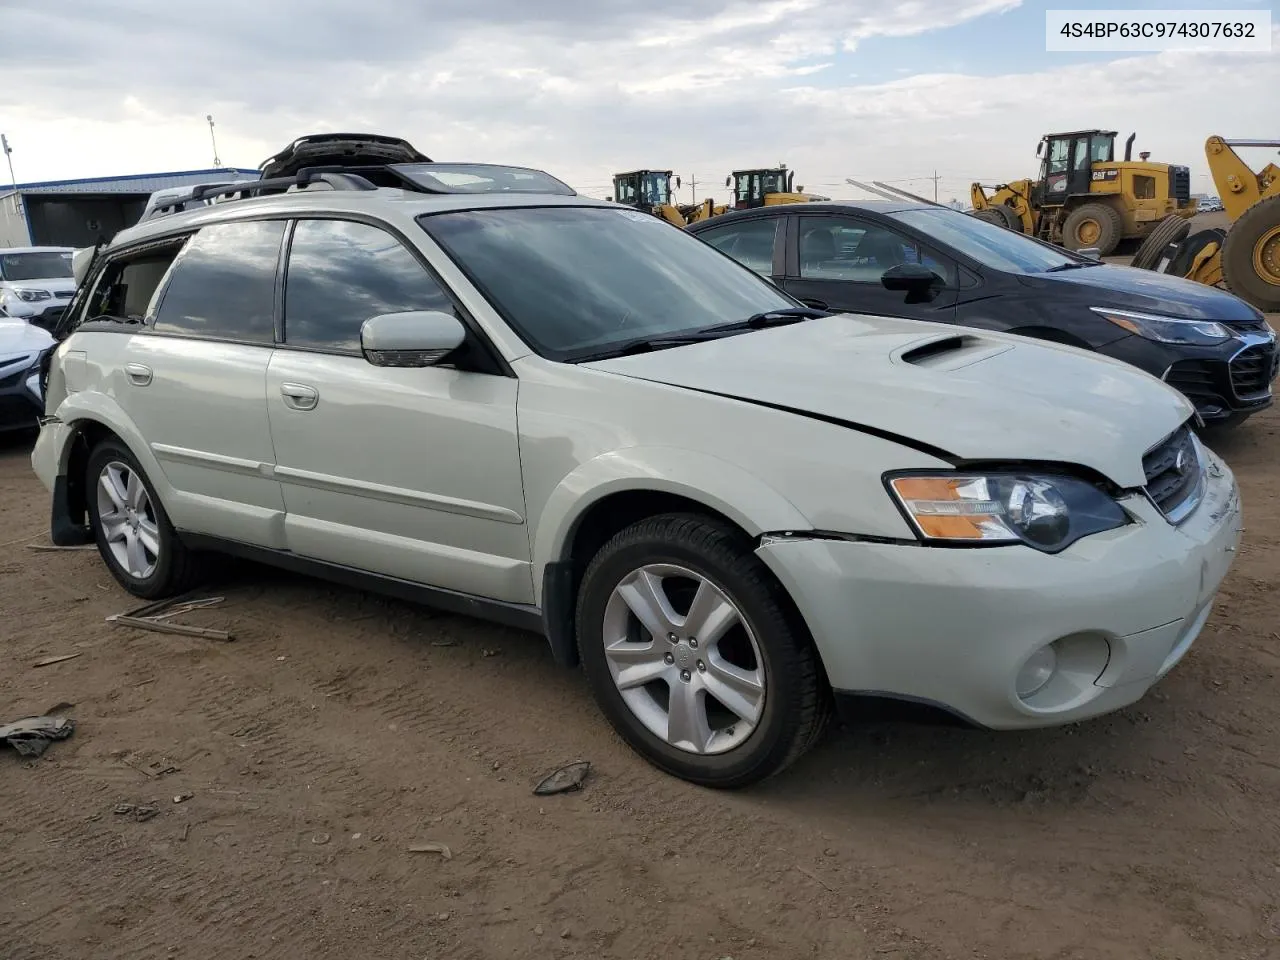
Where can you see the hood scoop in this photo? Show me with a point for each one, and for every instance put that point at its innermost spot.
(952, 352)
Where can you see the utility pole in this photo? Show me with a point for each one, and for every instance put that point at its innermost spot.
(935, 178)
(214, 140)
(693, 185)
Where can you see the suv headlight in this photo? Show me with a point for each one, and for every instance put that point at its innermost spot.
(1150, 326)
(1046, 512)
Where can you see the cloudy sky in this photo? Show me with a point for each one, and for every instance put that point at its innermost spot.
(883, 89)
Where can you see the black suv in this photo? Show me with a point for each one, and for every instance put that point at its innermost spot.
(930, 262)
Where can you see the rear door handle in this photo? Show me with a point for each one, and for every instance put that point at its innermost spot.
(299, 396)
(139, 374)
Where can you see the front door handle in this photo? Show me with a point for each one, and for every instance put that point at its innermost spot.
(139, 374)
(299, 396)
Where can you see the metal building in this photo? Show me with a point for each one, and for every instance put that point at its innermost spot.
(80, 213)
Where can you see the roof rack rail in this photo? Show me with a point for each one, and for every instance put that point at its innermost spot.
(337, 178)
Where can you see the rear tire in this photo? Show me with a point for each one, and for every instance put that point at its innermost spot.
(1093, 225)
(1001, 216)
(1172, 229)
(1251, 256)
(134, 536)
(726, 709)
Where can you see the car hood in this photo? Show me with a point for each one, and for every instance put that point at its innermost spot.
(1129, 288)
(967, 395)
(18, 337)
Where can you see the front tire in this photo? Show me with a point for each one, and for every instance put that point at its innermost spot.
(134, 536)
(1093, 225)
(695, 654)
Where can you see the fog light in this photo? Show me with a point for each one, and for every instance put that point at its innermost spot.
(1037, 671)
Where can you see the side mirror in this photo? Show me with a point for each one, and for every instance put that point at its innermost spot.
(728, 181)
(677, 183)
(911, 278)
(1093, 253)
(1039, 148)
(416, 338)
(610, 199)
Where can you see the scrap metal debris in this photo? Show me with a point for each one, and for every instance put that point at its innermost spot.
(565, 779)
(51, 547)
(432, 847)
(31, 736)
(50, 661)
(155, 617)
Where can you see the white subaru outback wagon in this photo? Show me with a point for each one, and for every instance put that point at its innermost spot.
(468, 385)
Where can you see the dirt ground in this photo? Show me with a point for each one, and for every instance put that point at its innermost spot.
(339, 729)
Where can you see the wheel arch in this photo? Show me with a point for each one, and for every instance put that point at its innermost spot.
(609, 493)
(90, 418)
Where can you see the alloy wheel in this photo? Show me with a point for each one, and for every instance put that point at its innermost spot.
(684, 659)
(128, 520)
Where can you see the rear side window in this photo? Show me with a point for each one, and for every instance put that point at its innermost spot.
(223, 284)
(750, 243)
(340, 274)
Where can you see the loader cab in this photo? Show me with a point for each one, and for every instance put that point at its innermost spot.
(752, 187)
(643, 189)
(1066, 163)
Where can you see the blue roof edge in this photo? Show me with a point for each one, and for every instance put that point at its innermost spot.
(9, 188)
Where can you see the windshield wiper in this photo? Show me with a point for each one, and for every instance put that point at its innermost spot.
(757, 321)
(1074, 265)
(649, 345)
(778, 318)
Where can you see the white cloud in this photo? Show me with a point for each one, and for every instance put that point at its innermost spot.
(582, 94)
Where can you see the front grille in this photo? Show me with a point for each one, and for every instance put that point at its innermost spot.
(1174, 478)
(1252, 370)
(1180, 183)
(64, 294)
(1203, 382)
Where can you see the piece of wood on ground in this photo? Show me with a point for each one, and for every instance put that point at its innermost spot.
(182, 629)
(51, 547)
(50, 661)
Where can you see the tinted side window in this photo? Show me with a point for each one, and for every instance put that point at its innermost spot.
(836, 248)
(750, 243)
(223, 283)
(342, 273)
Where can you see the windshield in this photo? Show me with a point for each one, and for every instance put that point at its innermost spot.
(775, 181)
(986, 243)
(654, 188)
(574, 281)
(43, 265)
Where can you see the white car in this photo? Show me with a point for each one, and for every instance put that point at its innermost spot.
(483, 391)
(36, 283)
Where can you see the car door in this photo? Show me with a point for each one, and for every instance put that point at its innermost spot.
(413, 473)
(755, 242)
(836, 262)
(193, 378)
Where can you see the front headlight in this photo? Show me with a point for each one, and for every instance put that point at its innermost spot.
(1203, 333)
(32, 296)
(1046, 512)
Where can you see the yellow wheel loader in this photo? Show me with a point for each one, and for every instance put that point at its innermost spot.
(1084, 197)
(765, 187)
(1244, 257)
(650, 191)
